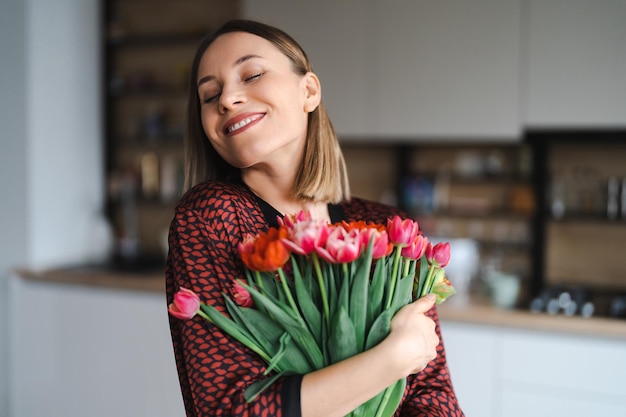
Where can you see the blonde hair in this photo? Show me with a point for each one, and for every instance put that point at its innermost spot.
(322, 174)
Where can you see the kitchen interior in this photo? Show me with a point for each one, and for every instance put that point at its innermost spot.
(499, 125)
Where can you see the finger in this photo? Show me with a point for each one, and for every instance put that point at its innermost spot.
(425, 303)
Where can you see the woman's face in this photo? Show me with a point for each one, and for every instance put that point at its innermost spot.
(254, 107)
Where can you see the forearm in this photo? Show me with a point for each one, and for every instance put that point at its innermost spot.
(339, 388)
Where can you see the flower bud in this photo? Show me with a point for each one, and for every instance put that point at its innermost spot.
(439, 254)
(185, 305)
(401, 232)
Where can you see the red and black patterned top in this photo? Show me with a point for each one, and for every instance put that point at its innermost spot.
(214, 370)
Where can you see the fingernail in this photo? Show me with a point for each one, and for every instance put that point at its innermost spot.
(430, 297)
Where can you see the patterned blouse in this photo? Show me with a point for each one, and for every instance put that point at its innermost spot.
(214, 370)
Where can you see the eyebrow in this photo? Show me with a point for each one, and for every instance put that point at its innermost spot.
(239, 61)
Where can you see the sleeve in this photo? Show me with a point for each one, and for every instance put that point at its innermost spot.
(430, 392)
(214, 370)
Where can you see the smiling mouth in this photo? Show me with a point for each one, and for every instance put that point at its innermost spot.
(243, 123)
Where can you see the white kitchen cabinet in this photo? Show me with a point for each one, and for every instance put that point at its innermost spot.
(417, 70)
(505, 372)
(576, 63)
(79, 351)
(470, 351)
(448, 69)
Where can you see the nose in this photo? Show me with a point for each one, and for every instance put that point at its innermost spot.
(231, 97)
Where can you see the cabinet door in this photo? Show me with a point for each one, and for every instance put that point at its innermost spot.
(448, 69)
(334, 34)
(577, 63)
(88, 351)
(548, 375)
(470, 353)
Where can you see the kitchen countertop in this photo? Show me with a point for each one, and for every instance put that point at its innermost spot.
(153, 281)
(483, 313)
(472, 311)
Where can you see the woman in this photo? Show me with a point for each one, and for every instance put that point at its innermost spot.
(259, 145)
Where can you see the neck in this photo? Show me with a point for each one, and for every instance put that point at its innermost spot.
(277, 192)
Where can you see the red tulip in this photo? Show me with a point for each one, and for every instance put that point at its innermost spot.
(401, 232)
(382, 247)
(417, 248)
(266, 252)
(186, 304)
(241, 295)
(439, 254)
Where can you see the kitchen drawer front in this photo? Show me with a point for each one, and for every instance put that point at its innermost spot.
(574, 364)
(520, 401)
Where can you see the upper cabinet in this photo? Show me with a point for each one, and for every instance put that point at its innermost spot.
(418, 70)
(447, 69)
(576, 67)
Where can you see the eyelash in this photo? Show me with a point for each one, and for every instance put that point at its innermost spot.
(249, 79)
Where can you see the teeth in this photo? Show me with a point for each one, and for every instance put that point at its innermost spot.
(242, 123)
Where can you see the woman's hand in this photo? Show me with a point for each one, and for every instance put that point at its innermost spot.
(413, 340)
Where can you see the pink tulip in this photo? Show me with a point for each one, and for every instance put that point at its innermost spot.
(439, 254)
(186, 304)
(304, 236)
(341, 246)
(416, 249)
(241, 295)
(401, 232)
(381, 247)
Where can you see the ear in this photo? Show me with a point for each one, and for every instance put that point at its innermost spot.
(313, 92)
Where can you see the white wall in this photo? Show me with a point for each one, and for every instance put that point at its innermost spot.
(13, 207)
(51, 180)
(64, 155)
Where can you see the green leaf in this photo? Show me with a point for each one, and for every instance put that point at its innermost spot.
(297, 329)
(359, 295)
(309, 310)
(231, 328)
(377, 292)
(266, 338)
(331, 287)
(342, 341)
(391, 398)
(259, 386)
(421, 280)
(368, 408)
(268, 333)
(404, 289)
(379, 330)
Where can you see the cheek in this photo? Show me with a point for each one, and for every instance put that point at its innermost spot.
(209, 123)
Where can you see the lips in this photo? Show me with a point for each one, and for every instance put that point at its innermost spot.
(242, 122)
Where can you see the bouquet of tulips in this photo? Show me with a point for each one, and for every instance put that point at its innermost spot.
(315, 294)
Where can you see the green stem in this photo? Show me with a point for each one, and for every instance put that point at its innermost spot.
(292, 303)
(428, 281)
(320, 280)
(394, 273)
(241, 338)
(407, 266)
(259, 281)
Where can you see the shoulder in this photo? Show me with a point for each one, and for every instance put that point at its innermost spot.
(221, 207)
(367, 210)
(215, 198)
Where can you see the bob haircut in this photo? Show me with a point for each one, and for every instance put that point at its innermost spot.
(322, 174)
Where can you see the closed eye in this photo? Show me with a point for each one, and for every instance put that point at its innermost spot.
(253, 77)
(211, 99)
